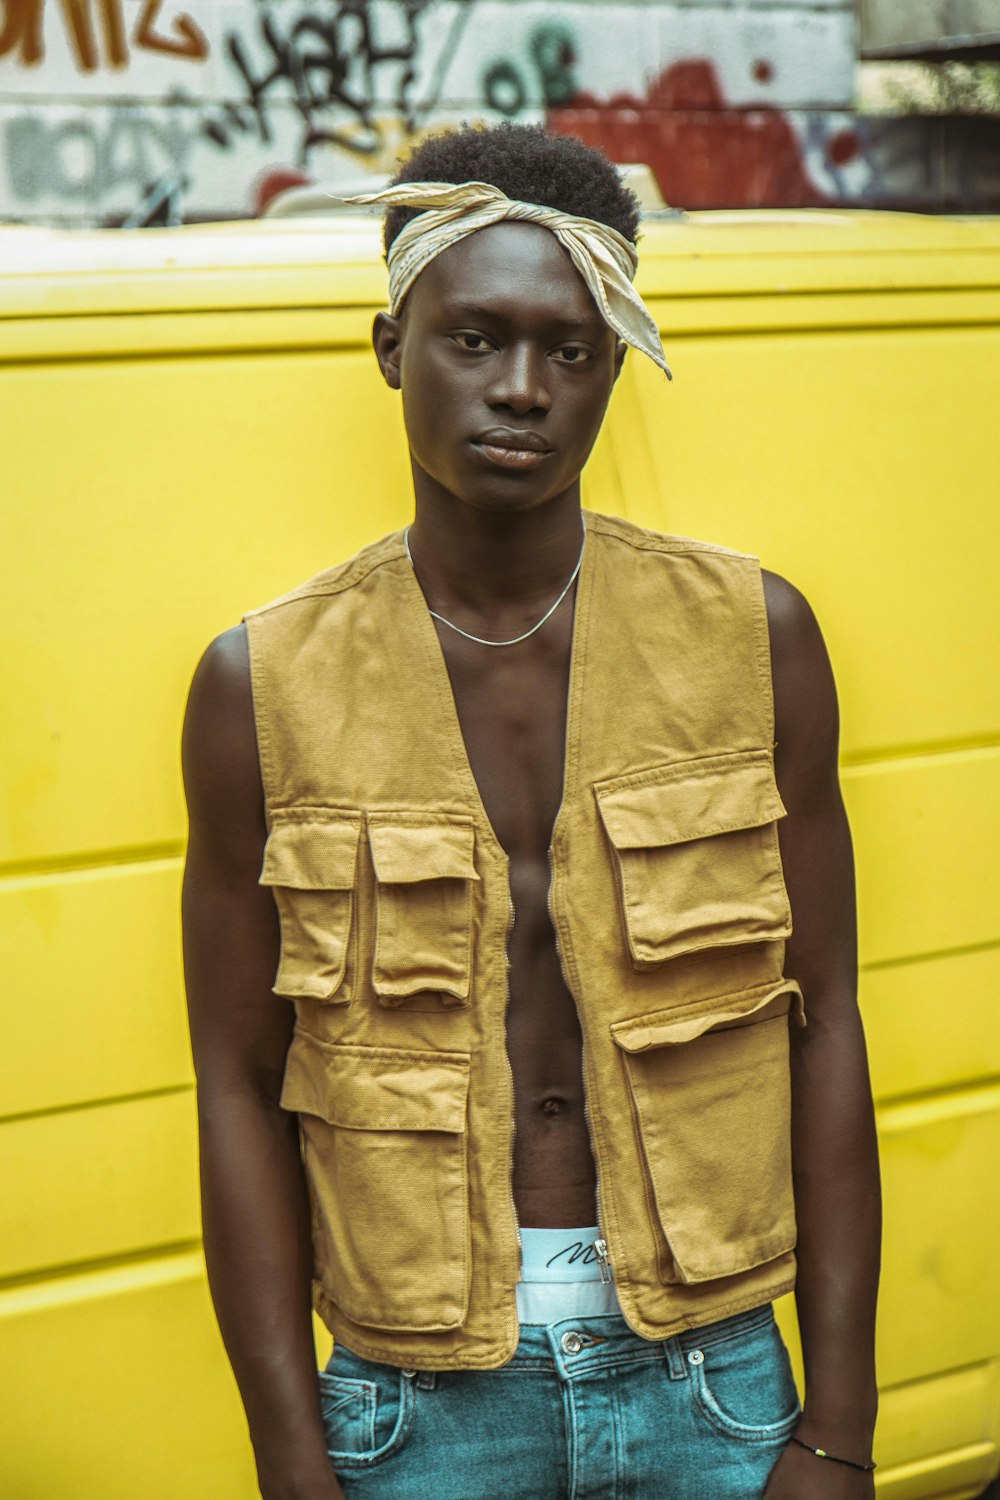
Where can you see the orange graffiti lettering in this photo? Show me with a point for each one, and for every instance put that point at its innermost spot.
(21, 32)
(192, 41)
(110, 12)
(80, 25)
(23, 24)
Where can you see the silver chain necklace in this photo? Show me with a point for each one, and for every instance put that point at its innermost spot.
(478, 638)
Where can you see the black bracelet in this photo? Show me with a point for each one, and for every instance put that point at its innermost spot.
(822, 1453)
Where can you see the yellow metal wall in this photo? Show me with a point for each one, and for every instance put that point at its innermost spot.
(855, 460)
(162, 477)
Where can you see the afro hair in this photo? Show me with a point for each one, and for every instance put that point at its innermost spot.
(524, 162)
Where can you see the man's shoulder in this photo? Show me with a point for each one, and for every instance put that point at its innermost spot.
(645, 539)
(338, 578)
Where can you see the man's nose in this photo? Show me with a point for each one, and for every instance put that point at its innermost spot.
(521, 381)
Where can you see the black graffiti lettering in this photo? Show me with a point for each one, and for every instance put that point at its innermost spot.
(553, 55)
(553, 62)
(216, 132)
(327, 63)
(257, 87)
(504, 89)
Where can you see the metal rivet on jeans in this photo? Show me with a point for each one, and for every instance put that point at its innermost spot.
(572, 1342)
(696, 1357)
(408, 1373)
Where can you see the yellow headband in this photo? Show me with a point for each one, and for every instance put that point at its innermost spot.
(451, 211)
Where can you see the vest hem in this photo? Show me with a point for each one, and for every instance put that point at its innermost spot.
(352, 1335)
(495, 1356)
(703, 1315)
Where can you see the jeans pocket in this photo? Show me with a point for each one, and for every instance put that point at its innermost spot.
(348, 1409)
(366, 1420)
(741, 1378)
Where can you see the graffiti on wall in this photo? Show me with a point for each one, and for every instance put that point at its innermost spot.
(357, 92)
(346, 78)
(144, 111)
(297, 81)
(22, 33)
(701, 151)
(76, 159)
(508, 87)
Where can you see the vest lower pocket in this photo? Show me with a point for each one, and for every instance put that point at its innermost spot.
(309, 863)
(424, 874)
(696, 851)
(711, 1096)
(384, 1142)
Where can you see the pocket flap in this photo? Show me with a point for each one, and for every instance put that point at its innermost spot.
(376, 1088)
(692, 800)
(404, 852)
(313, 854)
(669, 1028)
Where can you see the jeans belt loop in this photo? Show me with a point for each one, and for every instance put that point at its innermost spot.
(676, 1364)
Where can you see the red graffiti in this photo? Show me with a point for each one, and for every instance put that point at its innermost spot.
(275, 180)
(845, 146)
(21, 33)
(703, 152)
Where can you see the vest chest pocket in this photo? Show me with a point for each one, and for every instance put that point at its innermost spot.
(424, 873)
(711, 1099)
(696, 851)
(384, 1137)
(309, 862)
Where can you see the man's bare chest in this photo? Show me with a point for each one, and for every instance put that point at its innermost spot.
(511, 706)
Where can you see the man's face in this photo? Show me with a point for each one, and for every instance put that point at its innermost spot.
(506, 367)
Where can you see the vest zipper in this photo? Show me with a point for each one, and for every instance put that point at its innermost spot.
(601, 1244)
(510, 1074)
(601, 1251)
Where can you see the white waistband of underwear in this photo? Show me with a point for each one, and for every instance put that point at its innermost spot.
(564, 1274)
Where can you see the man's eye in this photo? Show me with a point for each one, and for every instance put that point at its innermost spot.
(572, 354)
(474, 342)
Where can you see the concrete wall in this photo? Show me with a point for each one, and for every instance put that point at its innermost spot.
(915, 28)
(153, 110)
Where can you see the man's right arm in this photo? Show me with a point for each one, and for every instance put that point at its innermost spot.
(254, 1208)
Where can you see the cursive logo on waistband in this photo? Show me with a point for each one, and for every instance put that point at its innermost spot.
(576, 1251)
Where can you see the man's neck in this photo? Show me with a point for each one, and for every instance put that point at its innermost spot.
(494, 564)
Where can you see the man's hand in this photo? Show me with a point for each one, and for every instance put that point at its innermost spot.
(799, 1475)
(323, 1486)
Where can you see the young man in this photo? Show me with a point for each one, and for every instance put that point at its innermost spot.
(511, 788)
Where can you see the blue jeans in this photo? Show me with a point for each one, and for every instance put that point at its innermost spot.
(585, 1410)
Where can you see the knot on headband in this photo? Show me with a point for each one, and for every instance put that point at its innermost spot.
(451, 211)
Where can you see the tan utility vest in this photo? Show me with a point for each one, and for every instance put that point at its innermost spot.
(670, 913)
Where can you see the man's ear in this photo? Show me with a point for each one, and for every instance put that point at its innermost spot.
(620, 348)
(387, 341)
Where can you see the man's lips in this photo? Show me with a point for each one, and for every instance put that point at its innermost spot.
(510, 449)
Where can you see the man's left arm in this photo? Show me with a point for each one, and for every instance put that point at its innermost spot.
(834, 1149)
